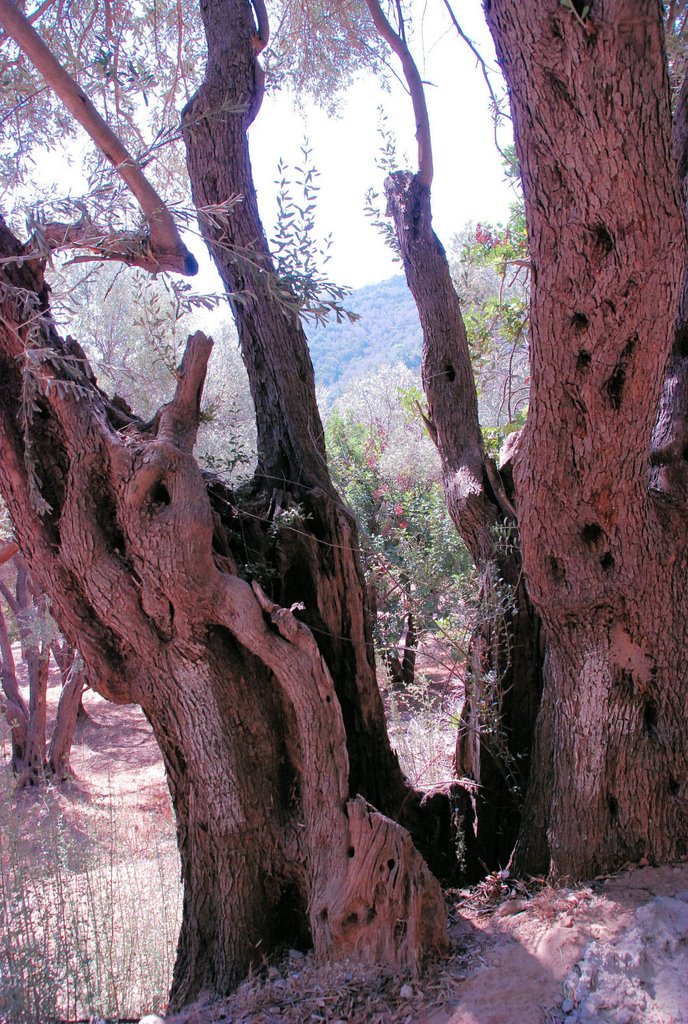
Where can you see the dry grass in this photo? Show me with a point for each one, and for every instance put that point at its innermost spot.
(87, 925)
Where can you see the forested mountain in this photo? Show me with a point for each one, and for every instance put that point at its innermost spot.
(388, 332)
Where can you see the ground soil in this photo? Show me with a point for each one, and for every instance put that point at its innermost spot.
(521, 953)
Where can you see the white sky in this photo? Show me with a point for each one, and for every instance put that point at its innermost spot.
(469, 180)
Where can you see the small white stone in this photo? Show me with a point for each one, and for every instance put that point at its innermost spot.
(512, 907)
(406, 992)
(151, 1018)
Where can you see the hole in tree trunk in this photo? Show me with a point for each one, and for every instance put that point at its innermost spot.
(673, 786)
(290, 919)
(584, 359)
(603, 241)
(450, 372)
(556, 569)
(579, 322)
(607, 562)
(613, 804)
(650, 717)
(160, 495)
(350, 852)
(681, 341)
(615, 386)
(591, 533)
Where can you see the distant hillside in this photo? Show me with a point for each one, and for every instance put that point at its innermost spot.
(388, 332)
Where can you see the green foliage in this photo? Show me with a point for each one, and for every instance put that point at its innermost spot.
(491, 268)
(386, 468)
(494, 437)
(320, 47)
(299, 257)
(138, 63)
(133, 329)
(374, 208)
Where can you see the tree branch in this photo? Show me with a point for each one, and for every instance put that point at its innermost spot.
(164, 250)
(179, 418)
(415, 84)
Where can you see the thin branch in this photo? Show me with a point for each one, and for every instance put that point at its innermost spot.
(40, 10)
(166, 251)
(497, 104)
(262, 25)
(415, 85)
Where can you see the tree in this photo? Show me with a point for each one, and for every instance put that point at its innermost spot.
(237, 620)
(602, 532)
(504, 667)
(33, 759)
(598, 472)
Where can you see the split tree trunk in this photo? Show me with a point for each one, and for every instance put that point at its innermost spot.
(318, 562)
(604, 553)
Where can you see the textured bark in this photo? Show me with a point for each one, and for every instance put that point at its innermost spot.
(73, 675)
(318, 564)
(13, 704)
(120, 530)
(504, 671)
(604, 553)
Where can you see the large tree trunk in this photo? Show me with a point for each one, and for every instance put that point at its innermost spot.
(316, 561)
(604, 553)
(267, 733)
(503, 682)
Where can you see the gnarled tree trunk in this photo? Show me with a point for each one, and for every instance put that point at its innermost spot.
(269, 719)
(273, 844)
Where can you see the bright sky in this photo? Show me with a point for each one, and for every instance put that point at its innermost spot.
(469, 180)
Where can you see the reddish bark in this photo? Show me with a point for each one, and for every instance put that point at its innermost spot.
(267, 733)
(603, 552)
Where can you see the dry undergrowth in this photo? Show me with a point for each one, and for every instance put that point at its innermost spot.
(298, 991)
